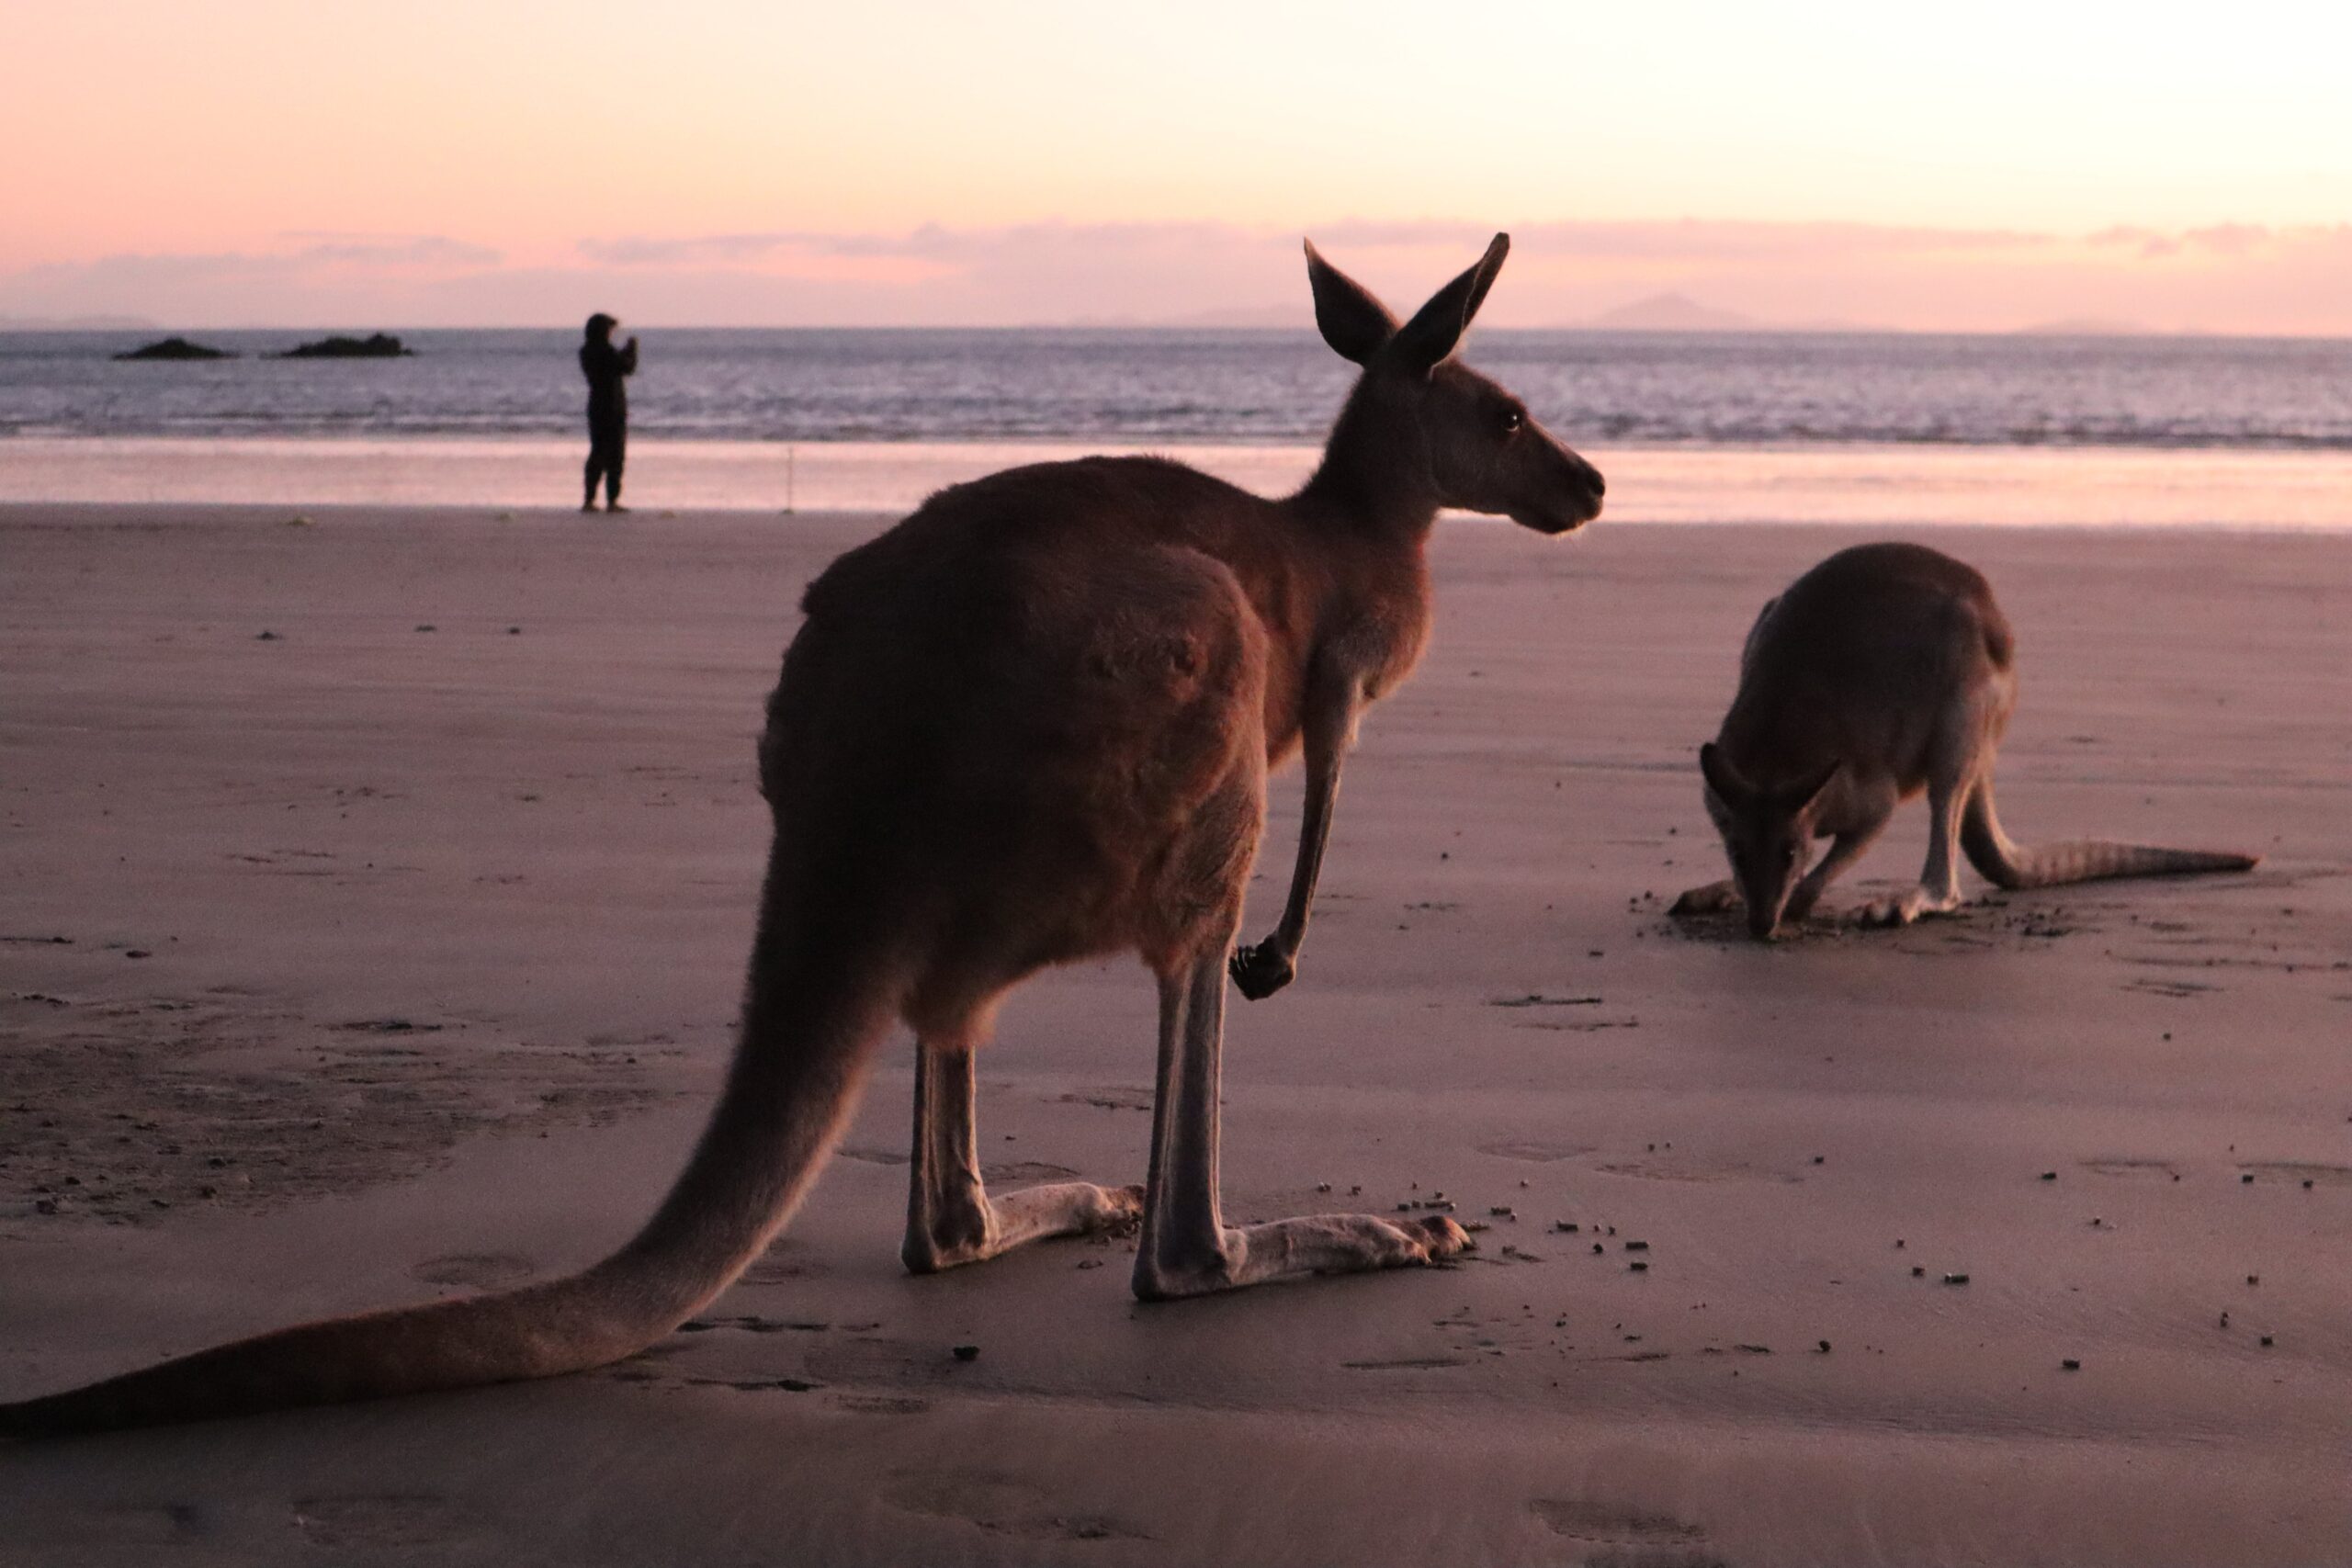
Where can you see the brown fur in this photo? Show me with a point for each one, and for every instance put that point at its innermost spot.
(1030, 724)
(1885, 671)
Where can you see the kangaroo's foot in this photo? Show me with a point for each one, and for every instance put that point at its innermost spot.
(1907, 906)
(1260, 969)
(1712, 899)
(1316, 1244)
(981, 1227)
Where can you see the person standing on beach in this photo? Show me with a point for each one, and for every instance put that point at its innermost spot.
(607, 369)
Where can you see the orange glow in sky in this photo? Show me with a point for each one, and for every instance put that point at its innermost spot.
(714, 160)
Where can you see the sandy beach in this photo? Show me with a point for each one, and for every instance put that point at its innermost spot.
(374, 894)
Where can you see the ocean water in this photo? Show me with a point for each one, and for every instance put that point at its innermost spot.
(1208, 388)
(1882, 427)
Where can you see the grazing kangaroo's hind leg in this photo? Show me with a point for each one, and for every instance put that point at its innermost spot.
(951, 1218)
(2013, 866)
(1937, 892)
(1187, 1249)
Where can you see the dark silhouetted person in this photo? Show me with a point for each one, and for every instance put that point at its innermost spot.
(607, 369)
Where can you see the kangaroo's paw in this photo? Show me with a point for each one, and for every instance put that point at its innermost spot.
(1314, 1244)
(1119, 1211)
(1260, 969)
(1443, 1237)
(1712, 899)
(969, 1232)
(1904, 908)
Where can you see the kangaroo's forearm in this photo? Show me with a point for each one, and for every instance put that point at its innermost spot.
(1314, 832)
(1262, 968)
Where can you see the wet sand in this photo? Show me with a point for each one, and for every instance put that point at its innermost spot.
(395, 954)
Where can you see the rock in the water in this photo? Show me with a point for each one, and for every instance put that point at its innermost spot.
(175, 348)
(376, 345)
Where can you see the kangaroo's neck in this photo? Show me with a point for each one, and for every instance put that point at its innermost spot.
(1375, 479)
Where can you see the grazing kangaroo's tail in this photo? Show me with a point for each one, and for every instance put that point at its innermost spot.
(798, 1065)
(2013, 866)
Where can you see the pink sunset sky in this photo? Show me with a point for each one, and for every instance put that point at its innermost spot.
(708, 162)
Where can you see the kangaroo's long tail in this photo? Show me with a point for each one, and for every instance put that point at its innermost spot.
(2010, 866)
(799, 1062)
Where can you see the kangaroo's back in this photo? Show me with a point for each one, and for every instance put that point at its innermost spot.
(1860, 662)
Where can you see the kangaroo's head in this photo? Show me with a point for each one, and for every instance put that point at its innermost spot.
(1767, 833)
(1421, 416)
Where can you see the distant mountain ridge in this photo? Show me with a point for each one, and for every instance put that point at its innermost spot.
(1673, 313)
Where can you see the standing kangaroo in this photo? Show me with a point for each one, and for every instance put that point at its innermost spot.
(1030, 724)
(1885, 670)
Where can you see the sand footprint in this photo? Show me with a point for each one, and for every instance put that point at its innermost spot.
(382, 1518)
(1003, 1505)
(1640, 1539)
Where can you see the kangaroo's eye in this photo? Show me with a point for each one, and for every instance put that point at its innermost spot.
(1787, 854)
(1512, 420)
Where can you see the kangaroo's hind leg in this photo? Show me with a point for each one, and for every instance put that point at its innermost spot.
(1939, 889)
(951, 1218)
(1187, 1249)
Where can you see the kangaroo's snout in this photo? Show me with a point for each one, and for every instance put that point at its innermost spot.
(1575, 488)
(1595, 488)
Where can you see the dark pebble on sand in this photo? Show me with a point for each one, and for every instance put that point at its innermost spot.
(267, 637)
(2254, 1278)
(2071, 1365)
(1955, 1279)
(1917, 1272)
(2245, 1178)
(1638, 1246)
(2265, 1340)
(427, 627)
(1825, 1347)
(1638, 1266)
(138, 953)
(1568, 1226)
(2049, 1175)
(968, 1352)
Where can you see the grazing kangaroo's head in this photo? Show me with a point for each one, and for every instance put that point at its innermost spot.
(1767, 833)
(1474, 445)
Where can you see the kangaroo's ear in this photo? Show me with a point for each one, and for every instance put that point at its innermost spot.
(1437, 327)
(1356, 325)
(1722, 777)
(1797, 796)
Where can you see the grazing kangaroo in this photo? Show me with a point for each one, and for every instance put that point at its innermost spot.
(1030, 724)
(1886, 670)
